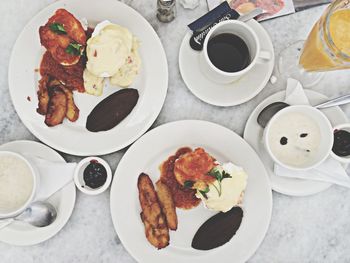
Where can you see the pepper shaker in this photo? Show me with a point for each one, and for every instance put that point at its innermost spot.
(166, 10)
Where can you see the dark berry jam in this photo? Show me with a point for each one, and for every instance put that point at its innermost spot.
(341, 145)
(95, 174)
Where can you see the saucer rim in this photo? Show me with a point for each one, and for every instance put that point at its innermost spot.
(234, 102)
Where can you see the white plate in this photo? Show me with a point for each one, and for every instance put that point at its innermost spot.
(148, 153)
(74, 138)
(231, 94)
(22, 234)
(253, 135)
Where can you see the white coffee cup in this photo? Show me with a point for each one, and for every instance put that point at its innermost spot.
(250, 38)
(326, 136)
(11, 207)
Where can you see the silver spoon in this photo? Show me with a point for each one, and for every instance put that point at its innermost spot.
(267, 113)
(39, 214)
(251, 14)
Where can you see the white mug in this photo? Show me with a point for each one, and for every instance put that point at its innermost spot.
(8, 212)
(243, 31)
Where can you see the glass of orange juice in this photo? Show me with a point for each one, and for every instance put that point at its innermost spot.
(326, 48)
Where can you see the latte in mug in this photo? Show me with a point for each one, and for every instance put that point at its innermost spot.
(16, 183)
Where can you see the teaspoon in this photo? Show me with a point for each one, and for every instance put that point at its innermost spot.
(267, 113)
(39, 214)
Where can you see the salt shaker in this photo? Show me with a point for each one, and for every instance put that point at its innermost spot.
(166, 10)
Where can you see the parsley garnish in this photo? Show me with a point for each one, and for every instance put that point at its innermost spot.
(188, 184)
(204, 192)
(58, 28)
(219, 176)
(74, 49)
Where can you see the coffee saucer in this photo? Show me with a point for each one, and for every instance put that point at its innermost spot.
(231, 94)
(22, 234)
(253, 135)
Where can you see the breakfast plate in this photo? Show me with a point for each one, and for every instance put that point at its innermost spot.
(22, 234)
(153, 148)
(72, 137)
(231, 94)
(253, 135)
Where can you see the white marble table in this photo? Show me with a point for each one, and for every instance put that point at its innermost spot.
(306, 229)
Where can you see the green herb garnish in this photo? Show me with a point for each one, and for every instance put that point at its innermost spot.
(204, 192)
(58, 28)
(219, 176)
(188, 184)
(74, 49)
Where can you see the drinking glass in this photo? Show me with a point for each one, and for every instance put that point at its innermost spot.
(326, 48)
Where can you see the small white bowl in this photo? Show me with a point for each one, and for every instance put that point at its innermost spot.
(35, 176)
(326, 142)
(342, 159)
(79, 176)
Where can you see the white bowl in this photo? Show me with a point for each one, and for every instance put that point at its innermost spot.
(34, 174)
(326, 142)
(342, 159)
(79, 176)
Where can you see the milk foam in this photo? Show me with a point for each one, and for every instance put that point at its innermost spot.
(16, 183)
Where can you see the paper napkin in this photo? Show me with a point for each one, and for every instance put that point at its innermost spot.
(53, 176)
(330, 171)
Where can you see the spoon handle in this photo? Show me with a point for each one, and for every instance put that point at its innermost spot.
(246, 17)
(6, 222)
(334, 102)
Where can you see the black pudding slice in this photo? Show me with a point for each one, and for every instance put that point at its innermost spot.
(112, 110)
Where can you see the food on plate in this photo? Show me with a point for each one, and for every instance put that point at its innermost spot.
(112, 110)
(184, 197)
(227, 189)
(95, 174)
(64, 37)
(294, 138)
(112, 51)
(61, 67)
(218, 230)
(167, 204)
(341, 145)
(93, 85)
(72, 113)
(188, 177)
(80, 60)
(193, 167)
(127, 73)
(70, 76)
(57, 107)
(43, 95)
(56, 102)
(156, 228)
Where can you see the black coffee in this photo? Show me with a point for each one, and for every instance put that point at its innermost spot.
(228, 52)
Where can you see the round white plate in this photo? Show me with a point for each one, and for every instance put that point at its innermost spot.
(231, 94)
(148, 153)
(22, 234)
(253, 135)
(74, 138)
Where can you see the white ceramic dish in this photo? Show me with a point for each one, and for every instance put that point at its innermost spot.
(230, 94)
(35, 178)
(79, 173)
(148, 153)
(23, 234)
(74, 138)
(342, 159)
(326, 136)
(253, 135)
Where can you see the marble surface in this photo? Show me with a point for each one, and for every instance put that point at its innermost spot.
(304, 229)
